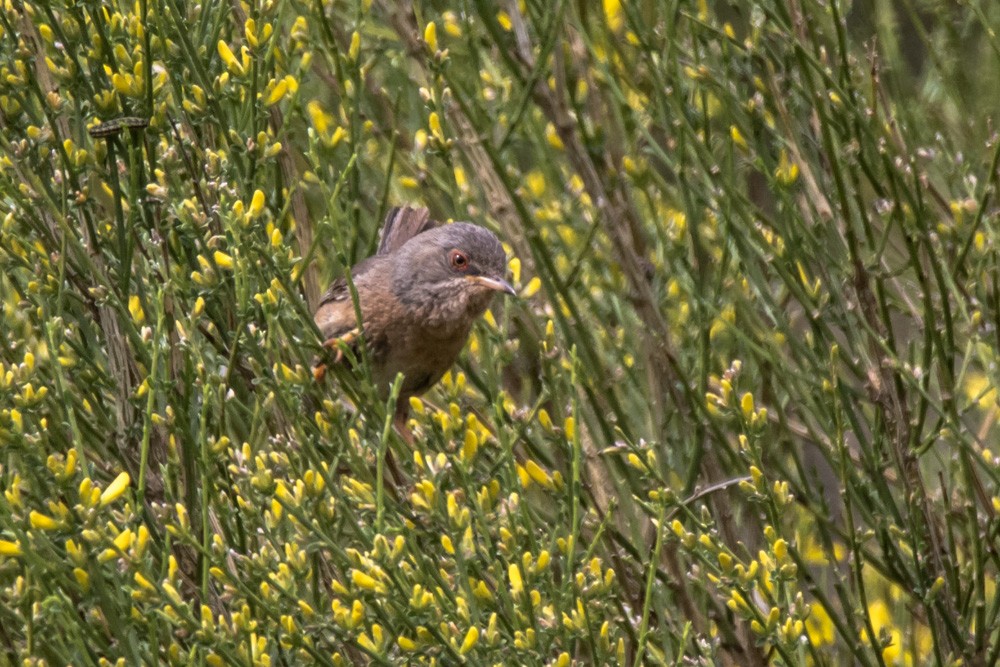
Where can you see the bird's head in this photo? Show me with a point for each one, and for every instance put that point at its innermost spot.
(450, 272)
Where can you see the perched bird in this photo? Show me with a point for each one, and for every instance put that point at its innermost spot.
(418, 297)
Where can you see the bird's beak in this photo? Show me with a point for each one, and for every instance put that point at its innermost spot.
(497, 284)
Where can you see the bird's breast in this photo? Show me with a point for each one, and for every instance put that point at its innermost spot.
(420, 352)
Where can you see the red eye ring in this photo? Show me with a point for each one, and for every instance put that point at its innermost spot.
(458, 260)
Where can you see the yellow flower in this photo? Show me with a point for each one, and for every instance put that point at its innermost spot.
(979, 388)
(17, 420)
(277, 93)
(543, 561)
(367, 582)
(516, 582)
(430, 37)
(787, 172)
(232, 64)
(552, 136)
(737, 137)
(355, 47)
(537, 474)
(451, 25)
(881, 618)
(337, 136)
(256, 205)
(223, 260)
(471, 638)
(135, 309)
(41, 521)
(535, 180)
(614, 15)
(434, 122)
(470, 445)
(115, 489)
(515, 269)
(321, 121)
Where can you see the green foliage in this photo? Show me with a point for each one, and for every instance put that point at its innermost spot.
(741, 412)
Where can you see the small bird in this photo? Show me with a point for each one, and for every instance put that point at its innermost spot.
(418, 297)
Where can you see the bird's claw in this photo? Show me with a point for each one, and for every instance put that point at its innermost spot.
(337, 345)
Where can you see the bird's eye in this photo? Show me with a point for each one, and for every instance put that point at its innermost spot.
(459, 260)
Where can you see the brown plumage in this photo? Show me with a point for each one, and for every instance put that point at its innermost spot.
(419, 296)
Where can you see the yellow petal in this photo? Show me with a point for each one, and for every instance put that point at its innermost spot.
(430, 37)
(115, 489)
(223, 260)
(256, 204)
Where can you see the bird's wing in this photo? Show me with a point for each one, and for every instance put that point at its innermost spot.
(337, 320)
(335, 314)
(401, 224)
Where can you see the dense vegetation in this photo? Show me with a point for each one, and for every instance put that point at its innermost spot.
(743, 412)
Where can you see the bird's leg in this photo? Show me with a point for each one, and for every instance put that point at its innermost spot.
(337, 345)
(399, 423)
